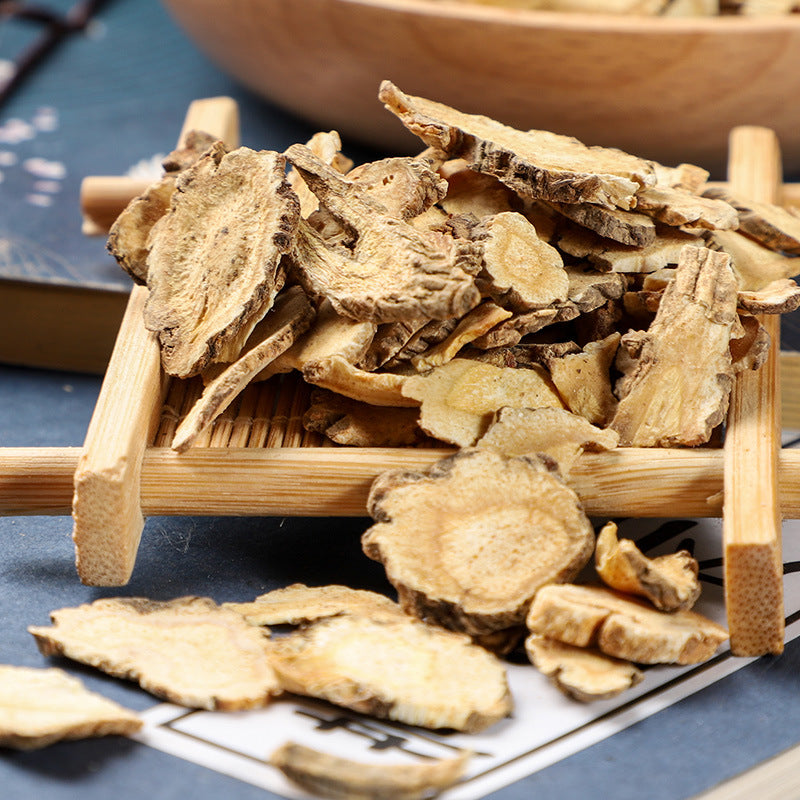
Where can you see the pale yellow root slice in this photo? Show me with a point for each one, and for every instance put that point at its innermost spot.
(470, 192)
(398, 669)
(677, 208)
(535, 164)
(215, 260)
(476, 323)
(622, 626)
(376, 388)
(424, 338)
(611, 256)
(669, 582)
(290, 316)
(679, 387)
(330, 335)
(584, 380)
(460, 398)
(358, 424)
(519, 270)
(555, 432)
(392, 271)
(336, 777)
(468, 543)
(772, 225)
(187, 651)
(297, 604)
(689, 177)
(751, 349)
(41, 706)
(581, 673)
(390, 338)
(755, 265)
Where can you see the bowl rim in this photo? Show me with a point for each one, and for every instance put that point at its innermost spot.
(578, 22)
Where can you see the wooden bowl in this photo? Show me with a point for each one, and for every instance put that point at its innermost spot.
(668, 89)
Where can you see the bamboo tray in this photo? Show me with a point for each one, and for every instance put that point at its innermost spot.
(258, 460)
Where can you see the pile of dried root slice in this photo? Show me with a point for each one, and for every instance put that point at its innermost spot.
(421, 296)
(656, 8)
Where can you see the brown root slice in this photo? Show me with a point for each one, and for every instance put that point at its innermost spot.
(469, 543)
(392, 271)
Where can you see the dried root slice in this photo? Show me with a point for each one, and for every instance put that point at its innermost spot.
(554, 432)
(41, 706)
(584, 380)
(773, 226)
(390, 338)
(536, 164)
(290, 316)
(625, 227)
(214, 265)
(622, 626)
(327, 146)
(336, 777)
(468, 543)
(476, 323)
(298, 604)
(518, 269)
(679, 208)
(358, 424)
(330, 335)
(581, 673)
(679, 386)
(194, 144)
(470, 192)
(187, 651)
(460, 398)
(669, 582)
(755, 266)
(392, 271)
(376, 388)
(398, 669)
(750, 349)
(610, 256)
(127, 237)
(779, 297)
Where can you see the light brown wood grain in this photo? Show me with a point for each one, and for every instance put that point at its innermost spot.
(334, 481)
(669, 89)
(751, 514)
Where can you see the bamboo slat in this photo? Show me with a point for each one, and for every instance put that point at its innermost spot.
(106, 506)
(751, 513)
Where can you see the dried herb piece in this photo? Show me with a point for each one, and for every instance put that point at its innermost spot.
(581, 673)
(399, 669)
(460, 397)
(41, 706)
(536, 164)
(468, 543)
(622, 626)
(214, 265)
(298, 604)
(336, 777)
(187, 651)
(669, 582)
(678, 385)
(391, 271)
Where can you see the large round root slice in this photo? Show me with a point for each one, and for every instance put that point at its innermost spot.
(469, 543)
(399, 669)
(336, 777)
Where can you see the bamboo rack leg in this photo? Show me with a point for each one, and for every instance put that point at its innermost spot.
(751, 511)
(107, 512)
